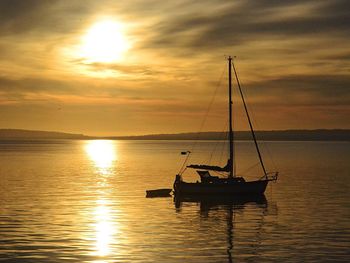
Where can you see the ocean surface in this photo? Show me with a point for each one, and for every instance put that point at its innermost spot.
(84, 201)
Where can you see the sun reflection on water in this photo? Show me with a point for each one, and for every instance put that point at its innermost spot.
(105, 230)
(103, 153)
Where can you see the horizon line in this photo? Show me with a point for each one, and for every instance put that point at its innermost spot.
(175, 133)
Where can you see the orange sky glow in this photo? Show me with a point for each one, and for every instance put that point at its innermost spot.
(140, 67)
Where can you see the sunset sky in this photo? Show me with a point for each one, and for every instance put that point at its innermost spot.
(141, 67)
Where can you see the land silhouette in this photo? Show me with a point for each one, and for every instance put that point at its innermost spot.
(275, 135)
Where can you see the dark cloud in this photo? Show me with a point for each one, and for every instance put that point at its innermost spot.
(343, 56)
(184, 23)
(20, 16)
(17, 90)
(302, 90)
(36, 85)
(14, 9)
(43, 17)
(244, 21)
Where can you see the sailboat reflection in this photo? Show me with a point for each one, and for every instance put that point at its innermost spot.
(208, 202)
(229, 206)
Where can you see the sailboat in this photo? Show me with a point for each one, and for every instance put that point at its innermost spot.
(231, 184)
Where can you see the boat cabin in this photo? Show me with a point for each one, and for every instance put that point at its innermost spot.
(206, 177)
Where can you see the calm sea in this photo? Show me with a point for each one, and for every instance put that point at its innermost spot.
(84, 201)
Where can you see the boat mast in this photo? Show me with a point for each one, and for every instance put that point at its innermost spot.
(231, 163)
(249, 121)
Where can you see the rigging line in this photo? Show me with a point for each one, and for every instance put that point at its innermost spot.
(256, 124)
(223, 140)
(249, 121)
(183, 167)
(270, 156)
(264, 144)
(212, 152)
(250, 167)
(222, 133)
(207, 110)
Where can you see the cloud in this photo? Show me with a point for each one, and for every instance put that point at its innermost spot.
(243, 21)
(20, 16)
(194, 24)
(302, 90)
(135, 70)
(293, 56)
(84, 91)
(43, 17)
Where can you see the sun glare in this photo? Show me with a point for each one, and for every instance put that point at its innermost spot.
(103, 153)
(104, 42)
(104, 230)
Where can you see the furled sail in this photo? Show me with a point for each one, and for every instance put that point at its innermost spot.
(226, 168)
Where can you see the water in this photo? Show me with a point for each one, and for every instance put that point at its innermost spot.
(84, 201)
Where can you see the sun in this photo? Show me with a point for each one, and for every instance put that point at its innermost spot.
(104, 42)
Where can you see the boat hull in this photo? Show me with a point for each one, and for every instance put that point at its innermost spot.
(251, 188)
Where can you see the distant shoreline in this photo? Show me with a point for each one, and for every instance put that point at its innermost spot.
(277, 135)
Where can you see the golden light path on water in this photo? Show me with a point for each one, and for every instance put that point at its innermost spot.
(103, 154)
(105, 230)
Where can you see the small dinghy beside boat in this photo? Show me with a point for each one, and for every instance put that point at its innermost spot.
(164, 192)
